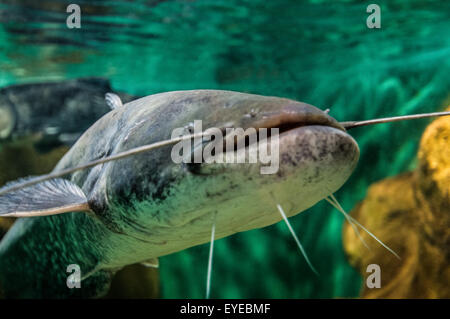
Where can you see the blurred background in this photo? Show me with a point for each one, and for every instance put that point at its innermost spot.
(319, 52)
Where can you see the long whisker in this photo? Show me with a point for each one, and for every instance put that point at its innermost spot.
(133, 151)
(339, 208)
(211, 249)
(352, 124)
(148, 147)
(296, 239)
(355, 229)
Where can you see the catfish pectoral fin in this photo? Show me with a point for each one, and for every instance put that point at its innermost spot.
(151, 263)
(51, 197)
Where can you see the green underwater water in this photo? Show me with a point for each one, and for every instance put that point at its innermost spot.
(319, 52)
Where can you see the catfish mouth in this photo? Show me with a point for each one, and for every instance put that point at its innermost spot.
(287, 121)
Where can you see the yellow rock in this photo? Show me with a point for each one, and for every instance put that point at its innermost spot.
(433, 176)
(411, 214)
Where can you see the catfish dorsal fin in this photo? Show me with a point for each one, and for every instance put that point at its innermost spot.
(51, 197)
(113, 100)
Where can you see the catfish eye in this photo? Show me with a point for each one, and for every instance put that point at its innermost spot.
(195, 165)
(189, 128)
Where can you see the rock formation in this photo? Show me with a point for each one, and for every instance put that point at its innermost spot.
(411, 214)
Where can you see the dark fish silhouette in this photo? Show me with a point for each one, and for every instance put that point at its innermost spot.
(54, 113)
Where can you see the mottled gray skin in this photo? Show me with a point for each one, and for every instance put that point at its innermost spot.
(53, 112)
(147, 206)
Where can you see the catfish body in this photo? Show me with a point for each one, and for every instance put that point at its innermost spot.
(146, 206)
